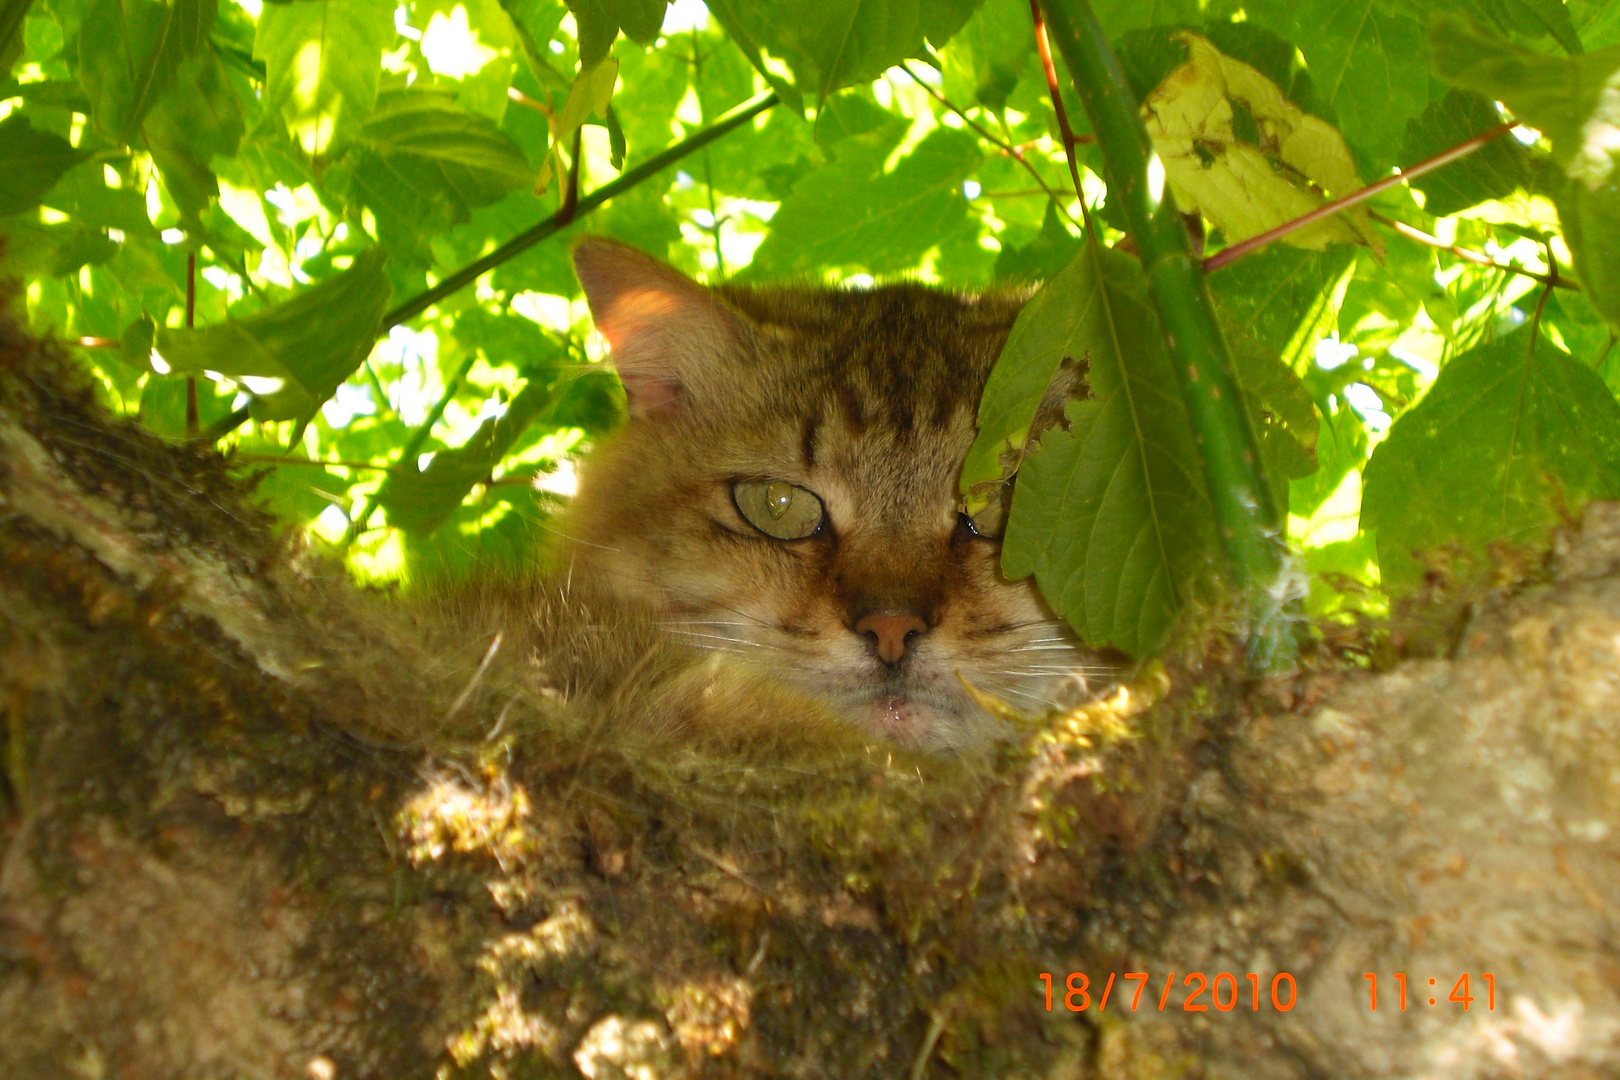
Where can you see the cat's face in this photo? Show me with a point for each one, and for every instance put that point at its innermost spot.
(786, 491)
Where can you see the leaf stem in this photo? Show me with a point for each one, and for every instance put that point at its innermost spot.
(1006, 147)
(1361, 195)
(567, 213)
(1471, 256)
(1245, 507)
(1043, 46)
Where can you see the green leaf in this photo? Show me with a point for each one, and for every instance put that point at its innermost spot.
(197, 120)
(30, 247)
(1512, 437)
(1341, 445)
(1531, 19)
(31, 162)
(1491, 172)
(423, 164)
(420, 502)
(840, 216)
(1111, 516)
(599, 23)
(311, 343)
(831, 44)
(1120, 16)
(983, 61)
(295, 493)
(1042, 257)
(1284, 296)
(1367, 65)
(1591, 220)
(322, 60)
(1280, 408)
(129, 53)
(1060, 322)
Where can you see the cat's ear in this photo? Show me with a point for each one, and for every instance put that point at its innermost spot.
(666, 332)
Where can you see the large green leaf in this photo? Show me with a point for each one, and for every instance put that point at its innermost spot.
(310, 343)
(842, 216)
(1512, 436)
(322, 60)
(1112, 515)
(31, 162)
(1062, 321)
(1491, 172)
(423, 164)
(831, 44)
(1366, 63)
(130, 52)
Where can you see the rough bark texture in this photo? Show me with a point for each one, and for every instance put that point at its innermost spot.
(239, 838)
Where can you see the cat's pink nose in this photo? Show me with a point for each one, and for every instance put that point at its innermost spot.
(890, 630)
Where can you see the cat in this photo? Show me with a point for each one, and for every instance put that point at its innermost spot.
(784, 498)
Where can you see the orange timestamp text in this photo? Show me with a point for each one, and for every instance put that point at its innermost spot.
(1226, 991)
(1459, 991)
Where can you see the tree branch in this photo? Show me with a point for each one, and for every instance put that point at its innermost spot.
(566, 215)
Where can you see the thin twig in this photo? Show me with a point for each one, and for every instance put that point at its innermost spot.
(1014, 152)
(1445, 157)
(1471, 256)
(280, 459)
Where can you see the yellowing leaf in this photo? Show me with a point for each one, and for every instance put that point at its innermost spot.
(591, 92)
(1284, 163)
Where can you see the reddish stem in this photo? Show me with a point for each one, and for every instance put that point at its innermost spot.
(1445, 157)
(1044, 48)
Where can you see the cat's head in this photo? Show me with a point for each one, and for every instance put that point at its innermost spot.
(786, 490)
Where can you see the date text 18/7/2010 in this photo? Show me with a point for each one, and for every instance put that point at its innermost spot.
(1224, 991)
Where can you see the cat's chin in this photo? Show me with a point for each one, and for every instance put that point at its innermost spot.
(922, 725)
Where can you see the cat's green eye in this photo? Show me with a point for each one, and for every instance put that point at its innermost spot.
(777, 508)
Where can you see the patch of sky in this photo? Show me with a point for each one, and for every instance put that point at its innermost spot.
(451, 46)
(1332, 353)
(349, 401)
(1365, 400)
(684, 16)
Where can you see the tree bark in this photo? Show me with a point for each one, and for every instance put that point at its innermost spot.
(260, 823)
